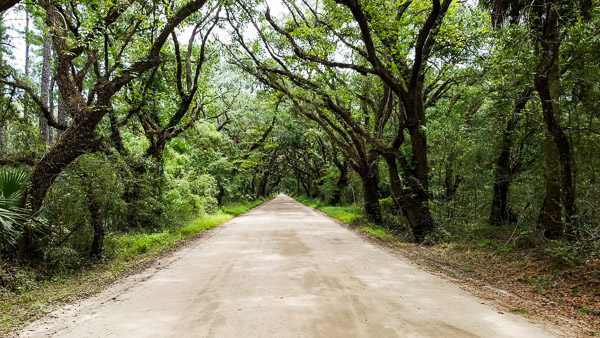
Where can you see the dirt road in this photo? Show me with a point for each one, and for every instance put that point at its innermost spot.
(284, 270)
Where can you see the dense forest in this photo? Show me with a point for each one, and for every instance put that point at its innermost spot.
(444, 120)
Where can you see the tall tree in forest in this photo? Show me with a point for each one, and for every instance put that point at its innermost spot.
(2, 55)
(45, 89)
(385, 51)
(549, 21)
(547, 84)
(27, 46)
(506, 168)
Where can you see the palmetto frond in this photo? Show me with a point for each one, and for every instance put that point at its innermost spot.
(11, 181)
(11, 217)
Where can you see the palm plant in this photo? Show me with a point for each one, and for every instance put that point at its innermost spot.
(11, 216)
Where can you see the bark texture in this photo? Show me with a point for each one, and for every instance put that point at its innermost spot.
(96, 220)
(45, 89)
(370, 183)
(412, 200)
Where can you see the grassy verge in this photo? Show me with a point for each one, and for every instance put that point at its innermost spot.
(347, 214)
(31, 298)
(350, 214)
(236, 208)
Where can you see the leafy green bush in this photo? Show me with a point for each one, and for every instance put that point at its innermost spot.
(567, 253)
(66, 212)
(438, 235)
(16, 279)
(62, 259)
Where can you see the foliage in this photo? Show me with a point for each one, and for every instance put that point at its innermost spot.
(572, 254)
(11, 180)
(12, 217)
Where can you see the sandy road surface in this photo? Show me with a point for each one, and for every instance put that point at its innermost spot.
(283, 270)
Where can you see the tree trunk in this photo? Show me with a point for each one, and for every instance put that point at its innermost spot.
(342, 182)
(503, 173)
(43, 126)
(96, 221)
(262, 185)
(115, 134)
(45, 88)
(157, 147)
(25, 104)
(62, 116)
(370, 183)
(51, 107)
(547, 81)
(78, 139)
(414, 202)
(500, 213)
(552, 216)
(418, 140)
(305, 186)
(451, 181)
(2, 137)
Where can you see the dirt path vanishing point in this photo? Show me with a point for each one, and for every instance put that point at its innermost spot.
(284, 270)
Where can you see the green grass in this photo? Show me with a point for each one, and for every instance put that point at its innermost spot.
(347, 214)
(519, 310)
(311, 202)
(139, 245)
(378, 231)
(206, 222)
(585, 309)
(124, 251)
(236, 208)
